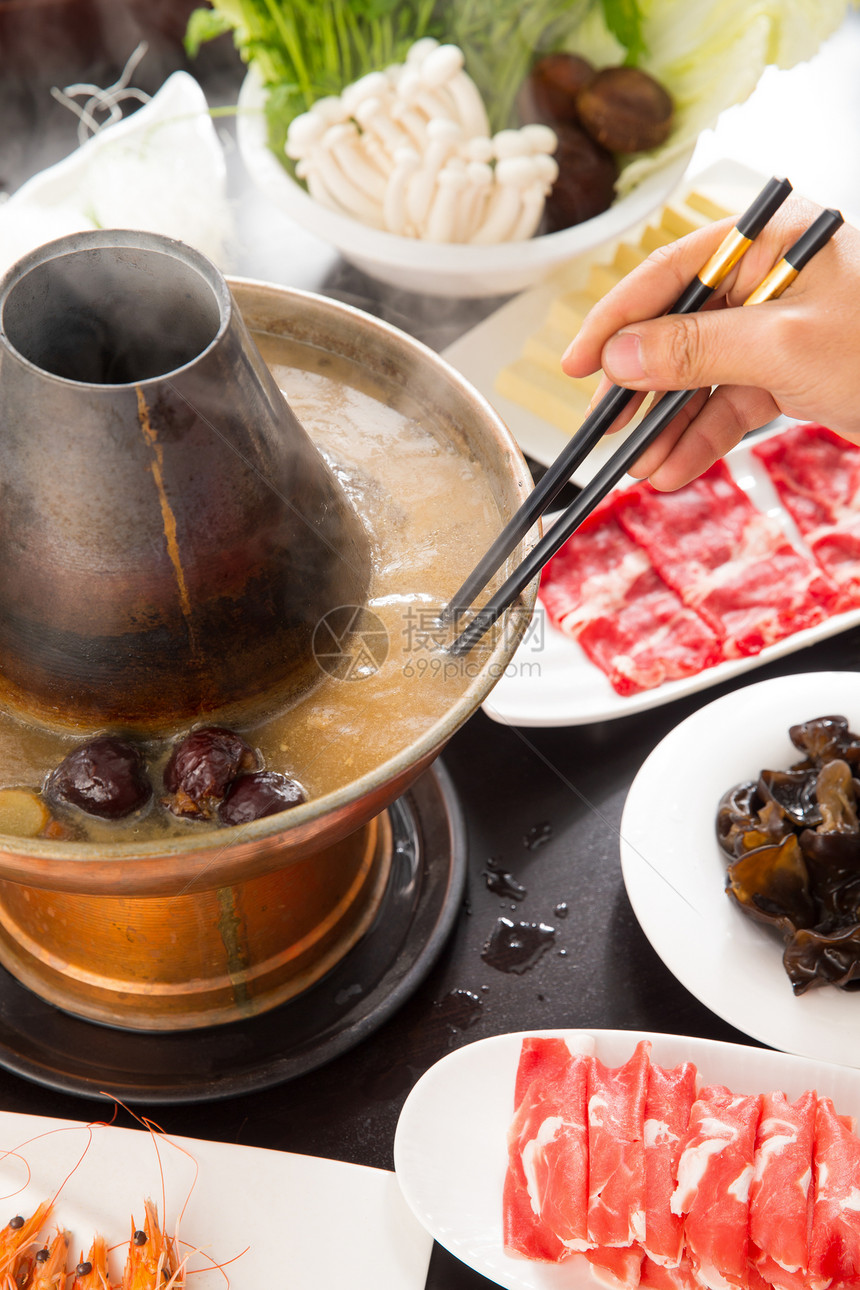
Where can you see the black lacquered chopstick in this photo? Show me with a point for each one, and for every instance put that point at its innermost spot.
(780, 276)
(598, 421)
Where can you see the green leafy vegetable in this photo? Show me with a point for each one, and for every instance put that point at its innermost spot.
(708, 53)
(624, 20)
(306, 49)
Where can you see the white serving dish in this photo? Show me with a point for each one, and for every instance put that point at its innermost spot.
(450, 1151)
(433, 268)
(674, 868)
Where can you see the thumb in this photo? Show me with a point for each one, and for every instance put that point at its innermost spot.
(689, 351)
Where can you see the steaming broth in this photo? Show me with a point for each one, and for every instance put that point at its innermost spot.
(430, 513)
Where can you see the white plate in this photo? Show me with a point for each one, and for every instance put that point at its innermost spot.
(287, 1220)
(550, 682)
(674, 869)
(450, 1153)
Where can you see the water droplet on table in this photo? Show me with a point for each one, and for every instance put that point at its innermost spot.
(516, 947)
(537, 835)
(501, 882)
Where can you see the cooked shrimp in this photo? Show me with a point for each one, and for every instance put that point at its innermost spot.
(92, 1271)
(49, 1267)
(16, 1238)
(151, 1261)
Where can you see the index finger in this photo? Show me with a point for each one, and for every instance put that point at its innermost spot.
(653, 286)
(644, 293)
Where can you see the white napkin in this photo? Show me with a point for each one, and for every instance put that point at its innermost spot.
(161, 169)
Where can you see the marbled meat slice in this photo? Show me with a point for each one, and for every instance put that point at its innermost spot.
(546, 1185)
(656, 1276)
(817, 476)
(602, 589)
(668, 1101)
(834, 1249)
(556, 1162)
(780, 1192)
(617, 1267)
(546, 1055)
(714, 1175)
(616, 1150)
(728, 561)
(524, 1231)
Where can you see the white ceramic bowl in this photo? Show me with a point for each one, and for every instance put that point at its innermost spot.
(433, 268)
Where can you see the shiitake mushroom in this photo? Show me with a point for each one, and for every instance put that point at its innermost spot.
(586, 180)
(595, 115)
(625, 109)
(549, 93)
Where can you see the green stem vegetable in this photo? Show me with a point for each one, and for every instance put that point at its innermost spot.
(306, 49)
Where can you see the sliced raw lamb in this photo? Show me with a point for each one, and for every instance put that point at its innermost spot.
(817, 476)
(544, 1055)
(715, 1171)
(616, 1150)
(602, 589)
(668, 1102)
(656, 1276)
(780, 1192)
(618, 1268)
(546, 1186)
(834, 1253)
(556, 1164)
(728, 561)
(525, 1232)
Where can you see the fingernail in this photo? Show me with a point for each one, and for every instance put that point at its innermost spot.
(622, 357)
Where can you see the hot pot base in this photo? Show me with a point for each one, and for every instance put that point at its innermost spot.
(202, 958)
(414, 914)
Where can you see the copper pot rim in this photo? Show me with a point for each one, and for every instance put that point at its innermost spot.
(276, 830)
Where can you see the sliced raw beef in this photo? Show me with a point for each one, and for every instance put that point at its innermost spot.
(714, 1175)
(602, 589)
(556, 1163)
(834, 1254)
(668, 1101)
(616, 1267)
(524, 1231)
(546, 1188)
(728, 561)
(817, 476)
(655, 1276)
(780, 1193)
(539, 1055)
(616, 1150)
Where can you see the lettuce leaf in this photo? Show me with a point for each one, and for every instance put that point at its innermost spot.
(710, 55)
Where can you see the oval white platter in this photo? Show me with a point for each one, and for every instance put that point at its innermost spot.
(550, 682)
(450, 1150)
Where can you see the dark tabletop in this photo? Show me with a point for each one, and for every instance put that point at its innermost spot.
(542, 806)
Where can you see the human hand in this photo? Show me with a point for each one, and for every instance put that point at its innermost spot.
(793, 355)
